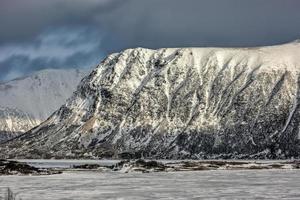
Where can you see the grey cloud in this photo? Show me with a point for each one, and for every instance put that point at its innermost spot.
(21, 65)
(107, 26)
(158, 23)
(21, 20)
(77, 47)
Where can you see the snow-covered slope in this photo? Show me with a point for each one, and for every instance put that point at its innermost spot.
(27, 101)
(14, 122)
(178, 103)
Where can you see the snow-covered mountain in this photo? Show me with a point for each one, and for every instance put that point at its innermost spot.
(27, 101)
(178, 103)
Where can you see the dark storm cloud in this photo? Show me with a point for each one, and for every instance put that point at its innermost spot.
(24, 19)
(76, 33)
(11, 69)
(59, 48)
(158, 23)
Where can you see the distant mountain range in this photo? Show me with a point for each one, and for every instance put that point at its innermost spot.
(26, 102)
(174, 103)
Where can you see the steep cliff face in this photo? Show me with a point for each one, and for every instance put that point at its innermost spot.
(179, 103)
(27, 101)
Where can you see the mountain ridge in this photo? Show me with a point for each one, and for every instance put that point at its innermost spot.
(178, 103)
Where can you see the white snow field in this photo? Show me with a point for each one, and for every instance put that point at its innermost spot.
(27, 101)
(223, 184)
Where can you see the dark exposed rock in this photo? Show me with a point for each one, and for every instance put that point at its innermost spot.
(156, 166)
(87, 166)
(8, 167)
(139, 165)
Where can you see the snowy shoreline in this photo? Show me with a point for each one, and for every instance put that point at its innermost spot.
(146, 166)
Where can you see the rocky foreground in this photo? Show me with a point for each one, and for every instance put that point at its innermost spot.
(155, 166)
(8, 167)
(147, 166)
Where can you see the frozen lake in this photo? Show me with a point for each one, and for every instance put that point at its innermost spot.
(221, 184)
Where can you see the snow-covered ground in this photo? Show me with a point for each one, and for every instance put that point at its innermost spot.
(223, 184)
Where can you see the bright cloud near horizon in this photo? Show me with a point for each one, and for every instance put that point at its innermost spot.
(40, 34)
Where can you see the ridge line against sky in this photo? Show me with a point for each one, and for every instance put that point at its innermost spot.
(37, 34)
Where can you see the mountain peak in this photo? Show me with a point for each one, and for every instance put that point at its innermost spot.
(179, 103)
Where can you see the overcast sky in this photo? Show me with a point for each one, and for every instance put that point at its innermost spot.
(39, 34)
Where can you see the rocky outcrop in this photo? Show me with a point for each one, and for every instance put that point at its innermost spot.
(8, 167)
(147, 166)
(155, 166)
(178, 103)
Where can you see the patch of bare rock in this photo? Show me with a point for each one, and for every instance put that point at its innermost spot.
(145, 166)
(8, 167)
